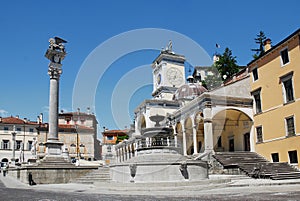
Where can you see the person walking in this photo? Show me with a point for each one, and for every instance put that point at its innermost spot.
(4, 170)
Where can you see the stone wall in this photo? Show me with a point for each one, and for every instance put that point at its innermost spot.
(50, 175)
(160, 172)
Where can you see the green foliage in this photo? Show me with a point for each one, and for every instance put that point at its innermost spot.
(211, 82)
(226, 64)
(121, 138)
(260, 38)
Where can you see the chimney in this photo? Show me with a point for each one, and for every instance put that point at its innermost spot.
(78, 111)
(17, 116)
(267, 44)
(0, 119)
(88, 110)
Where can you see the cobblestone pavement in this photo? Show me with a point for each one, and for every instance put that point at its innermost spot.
(12, 194)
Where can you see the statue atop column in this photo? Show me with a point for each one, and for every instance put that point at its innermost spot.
(55, 53)
(57, 43)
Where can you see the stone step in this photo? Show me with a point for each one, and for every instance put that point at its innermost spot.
(256, 166)
(99, 175)
(281, 176)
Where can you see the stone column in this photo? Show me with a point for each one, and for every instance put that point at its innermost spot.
(195, 139)
(129, 151)
(175, 136)
(183, 138)
(208, 130)
(53, 104)
(55, 53)
(135, 148)
(123, 154)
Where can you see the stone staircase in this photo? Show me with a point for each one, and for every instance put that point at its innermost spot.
(254, 165)
(55, 162)
(99, 175)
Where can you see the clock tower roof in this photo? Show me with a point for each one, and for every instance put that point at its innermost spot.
(169, 57)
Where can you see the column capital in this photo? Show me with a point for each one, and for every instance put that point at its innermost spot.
(54, 72)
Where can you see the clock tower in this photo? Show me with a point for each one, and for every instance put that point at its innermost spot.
(168, 73)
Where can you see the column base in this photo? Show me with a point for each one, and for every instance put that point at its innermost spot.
(54, 148)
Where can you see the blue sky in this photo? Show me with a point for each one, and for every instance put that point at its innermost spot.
(26, 27)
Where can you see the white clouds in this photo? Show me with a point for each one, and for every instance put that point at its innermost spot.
(3, 113)
(45, 109)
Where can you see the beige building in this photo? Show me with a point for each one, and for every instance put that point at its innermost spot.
(19, 136)
(78, 132)
(275, 87)
(110, 139)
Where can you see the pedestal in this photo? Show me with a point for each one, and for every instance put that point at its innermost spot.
(54, 149)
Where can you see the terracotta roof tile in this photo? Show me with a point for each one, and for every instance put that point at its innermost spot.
(16, 120)
(114, 132)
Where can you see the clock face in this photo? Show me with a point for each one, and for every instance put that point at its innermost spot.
(174, 76)
(158, 79)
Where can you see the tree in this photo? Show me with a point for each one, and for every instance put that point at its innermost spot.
(121, 138)
(260, 38)
(226, 64)
(212, 81)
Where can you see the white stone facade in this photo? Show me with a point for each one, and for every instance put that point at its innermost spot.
(25, 139)
(218, 120)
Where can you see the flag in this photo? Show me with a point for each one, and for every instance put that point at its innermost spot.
(217, 45)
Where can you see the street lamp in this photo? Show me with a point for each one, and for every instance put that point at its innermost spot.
(13, 134)
(77, 141)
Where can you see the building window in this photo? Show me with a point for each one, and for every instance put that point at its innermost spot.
(288, 91)
(257, 99)
(259, 134)
(275, 157)
(108, 148)
(293, 156)
(31, 130)
(18, 129)
(290, 126)
(109, 137)
(5, 144)
(220, 142)
(29, 145)
(18, 144)
(284, 56)
(255, 74)
(72, 148)
(5, 129)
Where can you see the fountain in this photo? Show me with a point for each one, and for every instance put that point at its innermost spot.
(154, 156)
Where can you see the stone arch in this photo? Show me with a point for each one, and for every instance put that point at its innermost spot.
(143, 122)
(179, 131)
(231, 130)
(4, 160)
(199, 123)
(188, 128)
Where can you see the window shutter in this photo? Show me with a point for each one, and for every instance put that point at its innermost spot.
(8, 145)
(1, 145)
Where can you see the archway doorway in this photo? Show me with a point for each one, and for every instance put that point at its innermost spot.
(231, 130)
(199, 122)
(247, 142)
(188, 126)
(178, 130)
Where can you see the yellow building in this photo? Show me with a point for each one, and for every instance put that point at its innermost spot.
(275, 87)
